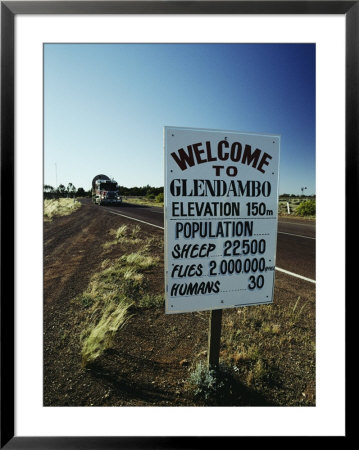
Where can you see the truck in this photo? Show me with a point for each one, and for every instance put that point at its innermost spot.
(105, 191)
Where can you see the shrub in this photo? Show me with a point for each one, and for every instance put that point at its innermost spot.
(209, 384)
(160, 197)
(306, 208)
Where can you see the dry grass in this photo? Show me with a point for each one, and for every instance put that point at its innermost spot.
(59, 207)
(143, 201)
(267, 355)
(139, 261)
(124, 235)
(272, 349)
(99, 337)
(120, 285)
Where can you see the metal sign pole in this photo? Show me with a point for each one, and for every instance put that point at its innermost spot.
(214, 338)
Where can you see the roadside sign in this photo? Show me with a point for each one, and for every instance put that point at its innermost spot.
(221, 214)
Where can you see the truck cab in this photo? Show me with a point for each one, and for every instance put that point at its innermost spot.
(106, 192)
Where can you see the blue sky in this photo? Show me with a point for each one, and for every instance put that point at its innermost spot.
(106, 106)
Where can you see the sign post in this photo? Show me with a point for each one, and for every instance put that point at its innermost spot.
(214, 338)
(221, 212)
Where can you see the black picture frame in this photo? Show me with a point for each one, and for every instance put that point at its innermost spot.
(9, 10)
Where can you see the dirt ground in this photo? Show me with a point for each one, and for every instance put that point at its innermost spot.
(149, 362)
(146, 364)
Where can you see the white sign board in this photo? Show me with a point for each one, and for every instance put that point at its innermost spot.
(221, 213)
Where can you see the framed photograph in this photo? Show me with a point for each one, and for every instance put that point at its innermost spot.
(92, 93)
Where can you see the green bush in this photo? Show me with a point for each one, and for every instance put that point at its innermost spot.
(306, 208)
(160, 197)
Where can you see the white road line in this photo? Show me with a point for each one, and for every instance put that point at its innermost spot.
(298, 235)
(137, 220)
(296, 223)
(162, 228)
(295, 275)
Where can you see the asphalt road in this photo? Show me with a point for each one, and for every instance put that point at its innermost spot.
(295, 241)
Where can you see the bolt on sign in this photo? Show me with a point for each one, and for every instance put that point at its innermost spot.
(221, 214)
